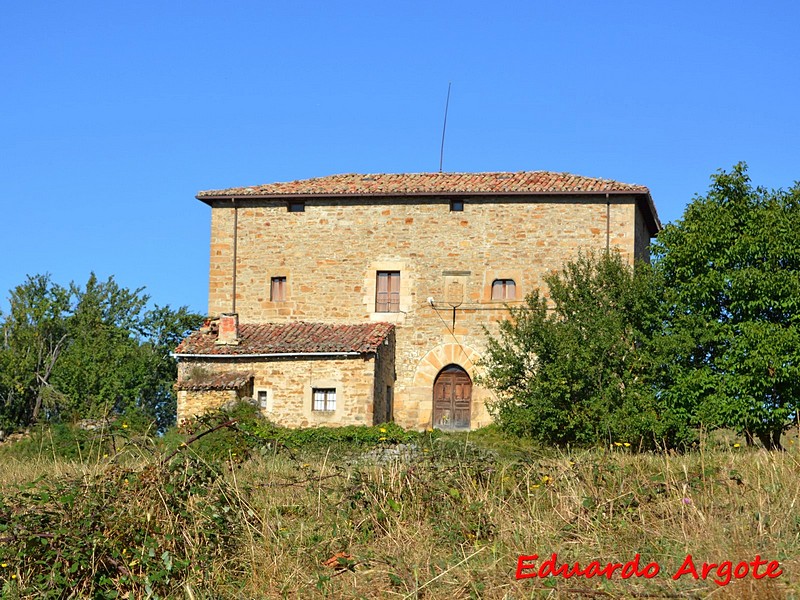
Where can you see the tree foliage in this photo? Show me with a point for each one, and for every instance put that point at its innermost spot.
(34, 334)
(93, 351)
(578, 367)
(732, 270)
(709, 336)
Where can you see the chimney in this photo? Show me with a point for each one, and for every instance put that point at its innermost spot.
(228, 329)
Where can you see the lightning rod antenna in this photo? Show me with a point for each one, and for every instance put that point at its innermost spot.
(444, 127)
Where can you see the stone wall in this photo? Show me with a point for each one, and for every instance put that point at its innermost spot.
(196, 402)
(385, 378)
(289, 384)
(330, 254)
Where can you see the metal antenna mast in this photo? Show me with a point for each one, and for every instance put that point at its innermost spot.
(444, 127)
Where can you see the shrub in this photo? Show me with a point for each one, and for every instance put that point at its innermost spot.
(124, 533)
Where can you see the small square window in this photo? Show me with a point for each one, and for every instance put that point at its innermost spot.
(296, 206)
(324, 399)
(504, 289)
(263, 398)
(456, 205)
(277, 289)
(387, 291)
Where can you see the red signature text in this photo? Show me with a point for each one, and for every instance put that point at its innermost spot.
(721, 573)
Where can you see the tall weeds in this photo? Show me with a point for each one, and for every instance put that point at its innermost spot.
(447, 520)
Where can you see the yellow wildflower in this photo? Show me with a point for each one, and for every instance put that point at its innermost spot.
(382, 429)
(627, 445)
(618, 443)
(124, 425)
(737, 445)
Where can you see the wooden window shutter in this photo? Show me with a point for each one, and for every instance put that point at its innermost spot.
(504, 289)
(277, 292)
(387, 291)
(511, 289)
(497, 290)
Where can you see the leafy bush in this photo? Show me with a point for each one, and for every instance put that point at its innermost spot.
(579, 367)
(251, 432)
(124, 533)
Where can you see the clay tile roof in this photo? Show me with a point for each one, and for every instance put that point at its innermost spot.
(386, 184)
(216, 381)
(290, 338)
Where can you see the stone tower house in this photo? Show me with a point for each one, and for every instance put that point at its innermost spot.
(363, 298)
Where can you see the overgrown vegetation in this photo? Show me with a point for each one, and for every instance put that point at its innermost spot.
(448, 520)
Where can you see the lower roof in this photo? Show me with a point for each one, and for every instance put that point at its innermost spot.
(215, 382)
(294, 338)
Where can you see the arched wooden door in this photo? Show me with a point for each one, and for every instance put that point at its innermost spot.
(452, 398)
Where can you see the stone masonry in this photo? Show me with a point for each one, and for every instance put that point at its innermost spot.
(448, 254)
(280, 366)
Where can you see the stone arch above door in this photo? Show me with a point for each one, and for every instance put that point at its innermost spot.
(420, 393)
(442, 355)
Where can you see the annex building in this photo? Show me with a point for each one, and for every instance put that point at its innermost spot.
(360, 299)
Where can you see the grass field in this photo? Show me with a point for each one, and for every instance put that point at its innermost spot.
(443, 516)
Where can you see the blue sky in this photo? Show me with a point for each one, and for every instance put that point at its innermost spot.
(114, 115)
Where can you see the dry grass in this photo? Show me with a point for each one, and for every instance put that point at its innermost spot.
(455, 530)
(451, 524)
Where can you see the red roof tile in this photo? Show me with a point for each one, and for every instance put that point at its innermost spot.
(354, 184)
(216, 381)
(290, 338)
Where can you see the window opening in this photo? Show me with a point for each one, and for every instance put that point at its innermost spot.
(504, 289)
(387, 292)
(324, 399)
(277, 290)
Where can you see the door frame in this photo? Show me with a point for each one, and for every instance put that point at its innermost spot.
(452, 371)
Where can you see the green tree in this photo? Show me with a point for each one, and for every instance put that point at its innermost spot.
(102, 370)
(578, 368)
(732, 268)
(96, 351)
(34, 334)
(163, 328)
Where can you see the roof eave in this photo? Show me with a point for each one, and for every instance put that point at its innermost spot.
(643, 195)
(269, 354)
(208, 198)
